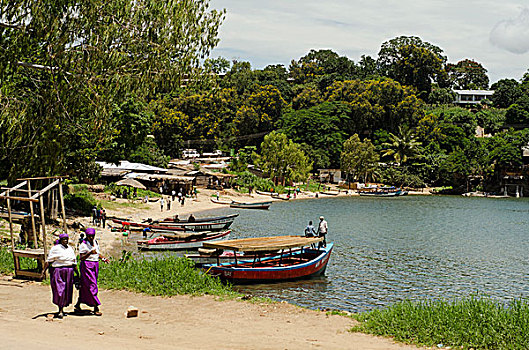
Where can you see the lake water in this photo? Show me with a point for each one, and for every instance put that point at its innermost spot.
(391, 249)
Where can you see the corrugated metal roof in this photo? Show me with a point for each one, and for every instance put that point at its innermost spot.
(126, 165)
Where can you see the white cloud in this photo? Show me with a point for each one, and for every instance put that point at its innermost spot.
(512, 34)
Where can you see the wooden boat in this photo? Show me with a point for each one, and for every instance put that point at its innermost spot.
(266, 193)
(224, 218)
(330, 193)
(218, 201)
(216, 256)
(257, 205)
(190, 240)
(176, 226)
(299, 264)
(284, 198)
(382, 192)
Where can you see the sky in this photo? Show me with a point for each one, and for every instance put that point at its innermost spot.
(492, 32)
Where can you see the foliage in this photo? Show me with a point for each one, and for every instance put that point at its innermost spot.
(359, 158)
(468, 75)
(506, 92)
(283, 160)
(246, 179)
(474, 322)
(65, 65)
(402, 147)
(164, 276)
(413, 62)
(80, 199)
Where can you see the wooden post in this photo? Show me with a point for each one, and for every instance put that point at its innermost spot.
(10, 223)
(61, 197)
(43, 224)
(33, 226)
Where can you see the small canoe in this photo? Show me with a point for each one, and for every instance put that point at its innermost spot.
(178, 242)
(257, 205)
(380, 193)
(141, 225)
(284, 198)
(199, 226)
(267, 193)
(285, 266)
(330, 193)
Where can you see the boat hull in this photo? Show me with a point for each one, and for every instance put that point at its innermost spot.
(216, 219)
(244, 273)
(169, 244)
(260, 205)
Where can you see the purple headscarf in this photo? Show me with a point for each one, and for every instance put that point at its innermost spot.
(90, 231)
(63, 235)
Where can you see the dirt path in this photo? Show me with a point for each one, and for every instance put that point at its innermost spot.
(180, 322)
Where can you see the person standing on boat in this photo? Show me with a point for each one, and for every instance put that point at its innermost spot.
(322, 232)
(310, 231)
(63, 266)
(89, 254)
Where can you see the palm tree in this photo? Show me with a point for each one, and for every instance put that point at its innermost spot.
(402, 147)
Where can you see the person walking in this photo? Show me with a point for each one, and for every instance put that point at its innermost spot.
(183, 200)
(168, 203)
(162, 202)
(322, 232)
(94, 215)
(62, 263)
(89, 255)
(173, 195)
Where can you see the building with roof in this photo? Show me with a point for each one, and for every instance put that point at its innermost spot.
(465, 97)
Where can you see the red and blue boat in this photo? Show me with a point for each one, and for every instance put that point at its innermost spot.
(287, 265)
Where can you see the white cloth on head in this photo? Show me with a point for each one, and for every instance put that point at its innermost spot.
(86, 247)
(60, 256)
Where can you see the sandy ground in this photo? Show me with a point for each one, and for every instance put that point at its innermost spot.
(181, 322)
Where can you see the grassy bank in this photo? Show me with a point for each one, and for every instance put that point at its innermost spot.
(474, 322)
(164, 276)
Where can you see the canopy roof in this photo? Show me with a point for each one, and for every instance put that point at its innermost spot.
(131, 183)
(263, 243)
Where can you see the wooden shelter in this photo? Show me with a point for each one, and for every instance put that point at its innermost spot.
(45, 193)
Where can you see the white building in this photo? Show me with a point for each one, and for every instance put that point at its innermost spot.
(472, 96)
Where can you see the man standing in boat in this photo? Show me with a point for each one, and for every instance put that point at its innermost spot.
(322, 232)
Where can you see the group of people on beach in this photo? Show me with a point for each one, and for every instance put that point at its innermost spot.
(62, 264)
(323, 228)
(99, 216)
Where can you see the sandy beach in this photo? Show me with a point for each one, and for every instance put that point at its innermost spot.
(181, 322)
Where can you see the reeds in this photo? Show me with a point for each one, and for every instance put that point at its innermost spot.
(474, 322)
(164, 276)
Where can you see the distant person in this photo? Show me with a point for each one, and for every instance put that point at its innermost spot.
(183, 200)
(173, 195)
(94, 215)
(62, 263)
(161, 190)
(145, 230)
(180, 196)
(162, 202)
(89, 255)
(168, 203)
(218, 195)
(196, 192)
(103, 217)
(176, 218)
(322, 232)
(191, 218)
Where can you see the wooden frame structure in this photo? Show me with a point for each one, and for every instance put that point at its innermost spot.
(23, 192)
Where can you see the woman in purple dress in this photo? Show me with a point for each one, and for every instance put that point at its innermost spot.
(63, 265)
(89, 254)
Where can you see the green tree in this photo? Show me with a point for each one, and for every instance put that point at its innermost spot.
(413, 62)
(359, 158)
(467, 75)
(64, 65)
(402, 147)
(506, 92)
(283, 160)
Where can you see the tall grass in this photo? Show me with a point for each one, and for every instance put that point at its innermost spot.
(474, 322)
(7, 264)
(164, 276)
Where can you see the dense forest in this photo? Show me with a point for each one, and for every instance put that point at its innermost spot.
(90, 84)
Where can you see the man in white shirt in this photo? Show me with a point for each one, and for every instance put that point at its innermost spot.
(63, 266)
(322, 231)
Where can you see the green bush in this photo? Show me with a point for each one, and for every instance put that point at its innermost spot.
(247, 179)
(474, 322)
(79, 199)
(165, 276)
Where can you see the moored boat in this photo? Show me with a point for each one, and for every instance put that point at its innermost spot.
(207, 219)
(218, 201)
(382, 192)
(176, 226)
(301, 263)
(330, 193)
(256, 205)
(169, 241)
